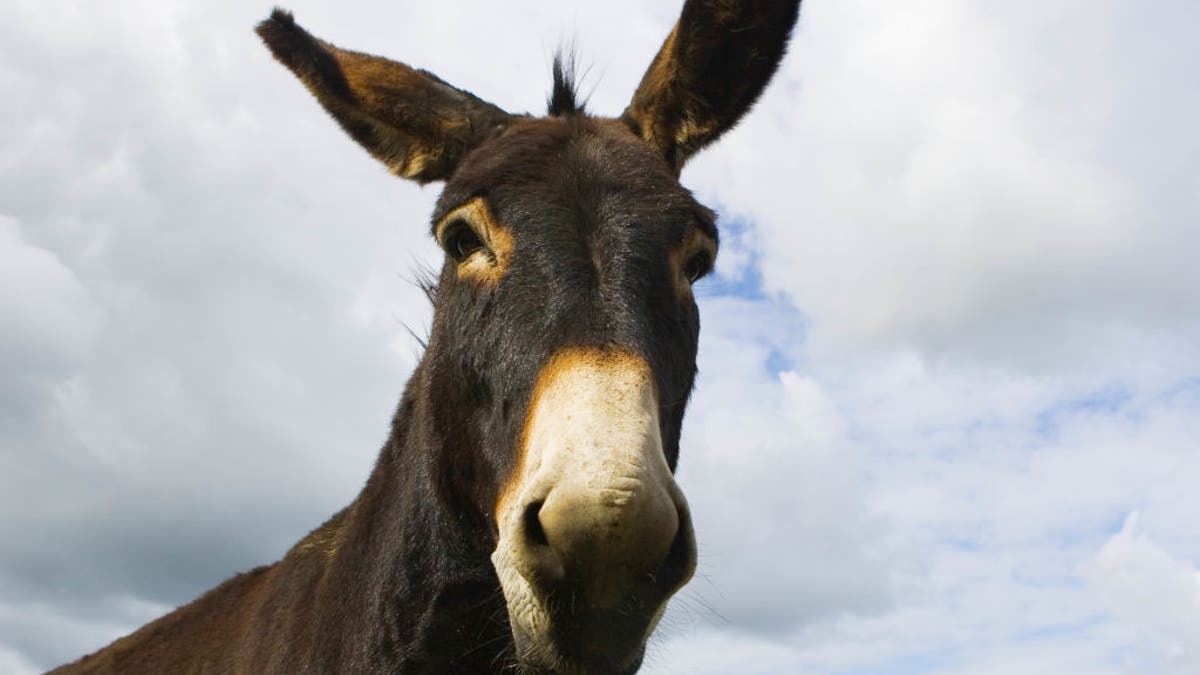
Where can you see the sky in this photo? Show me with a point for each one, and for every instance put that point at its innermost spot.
(948, 412)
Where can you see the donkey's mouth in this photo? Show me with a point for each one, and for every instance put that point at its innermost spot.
(538, 658)
(575, 639)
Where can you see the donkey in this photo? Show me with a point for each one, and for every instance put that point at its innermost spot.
(522, 515)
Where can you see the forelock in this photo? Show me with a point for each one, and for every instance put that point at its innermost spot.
(564, 95)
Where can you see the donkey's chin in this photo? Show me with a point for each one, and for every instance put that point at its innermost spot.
(539, 656)
(574, 642)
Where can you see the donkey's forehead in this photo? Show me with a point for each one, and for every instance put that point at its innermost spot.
(579, 165)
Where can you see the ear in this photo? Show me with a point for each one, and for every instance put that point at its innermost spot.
(410, 120)
(710, 70)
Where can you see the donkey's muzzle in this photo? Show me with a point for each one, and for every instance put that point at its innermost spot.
(595, 535)
(603, 563)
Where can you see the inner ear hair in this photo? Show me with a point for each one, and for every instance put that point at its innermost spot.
(709, 72)
(409, 119)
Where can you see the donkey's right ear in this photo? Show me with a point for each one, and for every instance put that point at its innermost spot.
(709, 72)
(410, 120)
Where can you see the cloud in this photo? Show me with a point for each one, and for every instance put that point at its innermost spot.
(965, 509)
(947, 351)
(906, 514)
(180, 298)
(715, 651)
(1006, 183)
(41, 628)
(51, 322)
(775, 508)
(12, 662)
(1153, 593)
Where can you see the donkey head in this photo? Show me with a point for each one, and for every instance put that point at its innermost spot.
(563, 346)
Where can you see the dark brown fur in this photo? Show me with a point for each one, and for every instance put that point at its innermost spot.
(400, 581)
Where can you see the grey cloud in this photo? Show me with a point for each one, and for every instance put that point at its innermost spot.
(193, 375)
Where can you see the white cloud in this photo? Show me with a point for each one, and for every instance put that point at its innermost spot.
(972, 179)
(906, 516)
(1153, 593)
(774, 484)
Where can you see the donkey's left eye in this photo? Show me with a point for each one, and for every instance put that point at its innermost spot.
(461, 241)
(697, 266)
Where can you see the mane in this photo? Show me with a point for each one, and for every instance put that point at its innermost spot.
(564, 96)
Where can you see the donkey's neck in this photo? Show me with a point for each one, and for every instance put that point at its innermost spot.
(408, 587)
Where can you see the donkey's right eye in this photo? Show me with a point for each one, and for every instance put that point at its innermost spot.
(460, 241)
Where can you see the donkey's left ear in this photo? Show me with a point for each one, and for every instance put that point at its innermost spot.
(410, 120)
(710, 70)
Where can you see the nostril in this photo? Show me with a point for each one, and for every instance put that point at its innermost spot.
(534, 534)
(541, 564)
(680, 562)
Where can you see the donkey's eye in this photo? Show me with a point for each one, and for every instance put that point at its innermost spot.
(697, 266)
(460, 241)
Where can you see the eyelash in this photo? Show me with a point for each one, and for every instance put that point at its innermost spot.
(697, 266)
(460, 241)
